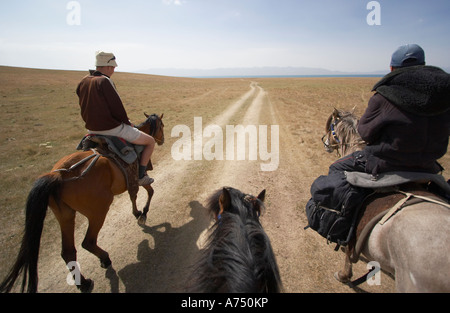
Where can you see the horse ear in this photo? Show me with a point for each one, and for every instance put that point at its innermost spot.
(162, 115)
(146, 115)
(262, 195)
(224, 201)
(336, 113)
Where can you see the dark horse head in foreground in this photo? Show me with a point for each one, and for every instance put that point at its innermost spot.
(239, 256)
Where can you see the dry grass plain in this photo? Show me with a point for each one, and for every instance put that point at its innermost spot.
(41, 123)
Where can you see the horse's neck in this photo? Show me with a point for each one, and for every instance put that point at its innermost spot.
(350, 140)
(352, 145)
(145, 128)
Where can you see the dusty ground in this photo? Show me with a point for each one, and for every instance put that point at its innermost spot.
(157, 257)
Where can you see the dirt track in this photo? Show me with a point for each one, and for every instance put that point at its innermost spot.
(157, 257)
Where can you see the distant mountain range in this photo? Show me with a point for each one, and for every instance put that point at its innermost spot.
(254, 72)
(259, 72)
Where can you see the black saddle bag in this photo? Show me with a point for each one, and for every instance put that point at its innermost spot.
(334, 206)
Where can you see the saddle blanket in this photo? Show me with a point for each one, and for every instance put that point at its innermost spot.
(391, 179)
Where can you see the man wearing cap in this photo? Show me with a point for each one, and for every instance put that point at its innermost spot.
(406, 127)
(104, 114)
(407, 122)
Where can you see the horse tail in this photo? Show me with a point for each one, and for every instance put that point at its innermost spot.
(35, 212)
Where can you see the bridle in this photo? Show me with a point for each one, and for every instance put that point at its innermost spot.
(325, 138)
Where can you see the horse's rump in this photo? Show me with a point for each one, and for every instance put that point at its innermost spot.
(377, 205)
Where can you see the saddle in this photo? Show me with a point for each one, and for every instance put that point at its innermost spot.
(122, 148)
(392, 192)
(124, 154)
(391, 179)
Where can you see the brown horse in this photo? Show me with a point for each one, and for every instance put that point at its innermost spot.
(88, 188)
(413, 243)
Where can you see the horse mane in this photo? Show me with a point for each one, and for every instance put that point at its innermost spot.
(347, 128)
(238, 257)
(151, 121)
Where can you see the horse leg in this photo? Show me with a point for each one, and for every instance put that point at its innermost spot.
(90, 240)
(143, 218)
(346, 273)
(137, 214)
(66, 218)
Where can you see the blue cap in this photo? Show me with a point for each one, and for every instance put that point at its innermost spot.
(408, 55)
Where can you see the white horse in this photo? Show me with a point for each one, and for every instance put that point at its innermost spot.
(413, 244)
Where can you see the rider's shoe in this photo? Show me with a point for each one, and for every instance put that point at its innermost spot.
(144, 181)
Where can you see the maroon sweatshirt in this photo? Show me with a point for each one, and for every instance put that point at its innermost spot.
(101, 106)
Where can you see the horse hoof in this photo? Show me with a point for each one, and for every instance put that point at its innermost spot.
(87, 286)
(105, 263)
(343, 280)
(142, 219)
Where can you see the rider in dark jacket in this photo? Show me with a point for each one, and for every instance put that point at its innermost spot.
(407, 122)
(406, 127)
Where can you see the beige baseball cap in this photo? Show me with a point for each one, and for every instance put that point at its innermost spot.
(105, 59)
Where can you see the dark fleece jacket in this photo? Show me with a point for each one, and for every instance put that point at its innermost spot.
(407, 122)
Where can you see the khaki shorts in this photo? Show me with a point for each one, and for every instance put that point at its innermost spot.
(124, 131)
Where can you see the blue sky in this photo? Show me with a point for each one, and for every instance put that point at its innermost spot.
(207, 34)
